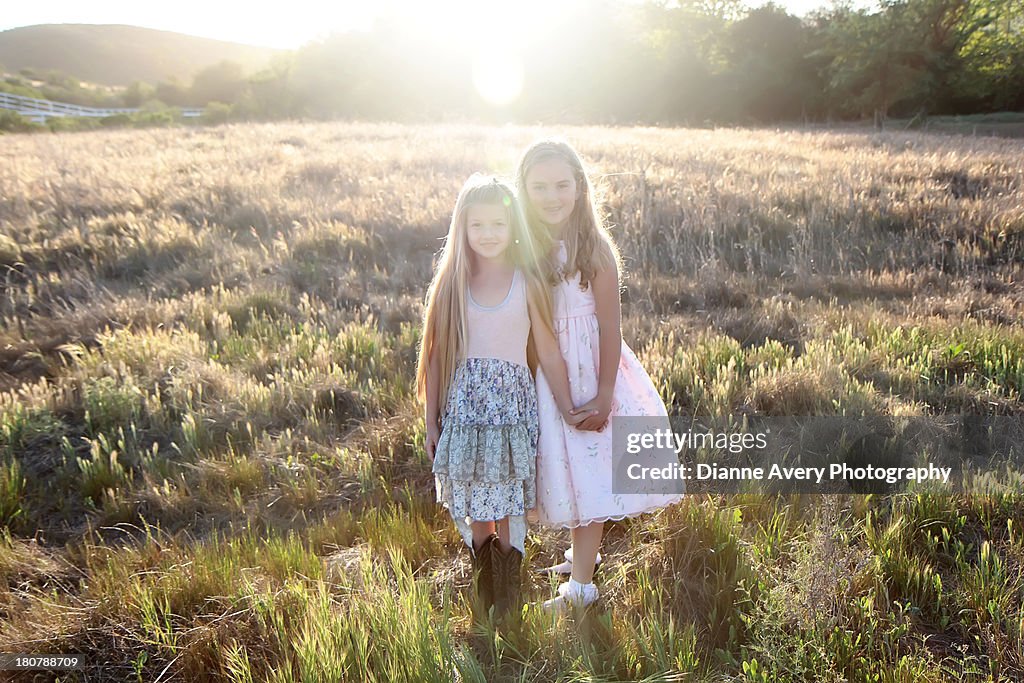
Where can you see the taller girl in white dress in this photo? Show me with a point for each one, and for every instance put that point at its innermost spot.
(574, 464)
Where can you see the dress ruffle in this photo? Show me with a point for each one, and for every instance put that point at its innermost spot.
(475, 500)
(485, 461)
(486, 453)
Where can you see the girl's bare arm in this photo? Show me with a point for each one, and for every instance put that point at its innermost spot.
(605, 285)
(550, 358)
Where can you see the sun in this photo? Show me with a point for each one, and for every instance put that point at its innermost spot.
(498, 75)
(491, 33)
(492, 30)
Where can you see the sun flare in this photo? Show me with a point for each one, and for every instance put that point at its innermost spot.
(494, 35)
(498, 76)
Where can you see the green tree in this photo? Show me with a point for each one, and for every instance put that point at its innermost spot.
(872, 62)
(326, 74)
(992, 77)
(270, 93)
(936, 32)
(687, 58)
(223, 82)
(173, 93)
(768, 75)
(137, 93)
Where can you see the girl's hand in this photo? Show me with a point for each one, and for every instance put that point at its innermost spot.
(575, 416)
(597, 410)
(433, 436)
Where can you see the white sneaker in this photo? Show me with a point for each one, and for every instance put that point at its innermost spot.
(572, 594)
(566, 567)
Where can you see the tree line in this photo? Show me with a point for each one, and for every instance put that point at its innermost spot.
(689, 62)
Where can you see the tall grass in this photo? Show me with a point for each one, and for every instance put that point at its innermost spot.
(211, 460)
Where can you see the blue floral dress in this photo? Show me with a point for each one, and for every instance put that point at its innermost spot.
(485, 461)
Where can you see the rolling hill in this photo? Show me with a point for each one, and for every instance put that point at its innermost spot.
(116, 54)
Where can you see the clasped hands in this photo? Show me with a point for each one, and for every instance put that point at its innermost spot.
(591, 416)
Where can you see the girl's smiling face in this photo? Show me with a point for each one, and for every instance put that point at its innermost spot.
(552, 190)
(487, 229)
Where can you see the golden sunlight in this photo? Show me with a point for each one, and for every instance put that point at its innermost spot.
(498, 75)
(492, 31)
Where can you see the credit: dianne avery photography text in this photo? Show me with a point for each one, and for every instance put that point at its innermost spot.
(704, 471)
(808, 454)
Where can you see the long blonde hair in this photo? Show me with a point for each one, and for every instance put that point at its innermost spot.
(444, 317)
(588, 244)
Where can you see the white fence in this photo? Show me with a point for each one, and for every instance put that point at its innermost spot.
(39, 110)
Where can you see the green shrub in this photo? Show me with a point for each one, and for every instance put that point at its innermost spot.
(216, 112)
(59, 124)
(13, 122)
(116, 120)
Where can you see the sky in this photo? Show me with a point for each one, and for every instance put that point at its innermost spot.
(296, 22)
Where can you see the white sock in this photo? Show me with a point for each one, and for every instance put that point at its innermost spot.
(574, 592)
(580, 589)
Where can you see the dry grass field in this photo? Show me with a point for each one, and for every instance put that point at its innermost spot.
(211, 462)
